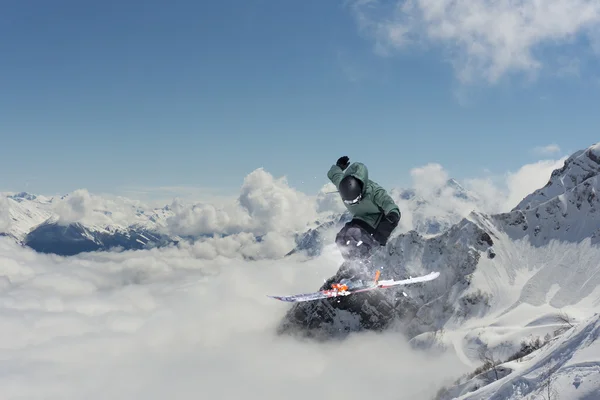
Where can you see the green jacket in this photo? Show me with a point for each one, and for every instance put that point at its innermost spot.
(376, 202)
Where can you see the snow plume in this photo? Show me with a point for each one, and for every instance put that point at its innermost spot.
(485, 40)
(160, 323)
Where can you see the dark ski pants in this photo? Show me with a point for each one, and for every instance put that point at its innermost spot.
(355, 241)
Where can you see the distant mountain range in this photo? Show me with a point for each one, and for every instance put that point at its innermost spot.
(35, 221)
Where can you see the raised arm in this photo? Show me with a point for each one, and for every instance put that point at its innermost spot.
(336, 172)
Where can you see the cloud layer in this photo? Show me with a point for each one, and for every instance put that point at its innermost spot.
(483, 39)
(161, 323)
(504, 192)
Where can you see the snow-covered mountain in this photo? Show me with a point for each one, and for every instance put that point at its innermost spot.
(563, 365)
(67, 225)
(566, 208)
(505, 279)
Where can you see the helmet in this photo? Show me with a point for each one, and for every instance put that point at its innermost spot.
(351, 189)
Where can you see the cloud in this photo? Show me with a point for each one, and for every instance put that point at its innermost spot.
(273, 205)
(242, 245)
(75, 207)
(547, 150)
(87, 208)
(328, 200)
(529, 178)
(502, 193)
(202, 219)
(433, 184)
(440, 199)
(429, 178)
(160, 195)
(159, 323)
(265, 205)
(483, 39)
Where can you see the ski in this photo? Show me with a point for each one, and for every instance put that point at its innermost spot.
(339, 289)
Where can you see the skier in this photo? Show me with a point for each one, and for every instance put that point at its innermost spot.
(375, 214)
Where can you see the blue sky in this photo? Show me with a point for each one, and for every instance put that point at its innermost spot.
(118, 94)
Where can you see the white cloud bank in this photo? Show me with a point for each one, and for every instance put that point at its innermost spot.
(159, 324)
(547, 150)
(265, 205)
(484, 39)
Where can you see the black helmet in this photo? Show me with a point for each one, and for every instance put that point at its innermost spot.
(351, 189)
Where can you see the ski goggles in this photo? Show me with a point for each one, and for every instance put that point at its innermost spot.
(354, 201)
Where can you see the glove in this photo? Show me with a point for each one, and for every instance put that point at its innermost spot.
(343, 162)
(386, 227)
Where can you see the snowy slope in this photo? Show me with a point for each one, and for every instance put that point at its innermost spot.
(566, 367)
(23, 211)
(566, 208)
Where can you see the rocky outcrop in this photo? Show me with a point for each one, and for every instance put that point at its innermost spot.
(416, 308)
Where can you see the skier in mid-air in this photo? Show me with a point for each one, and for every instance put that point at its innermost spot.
(375, 214)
